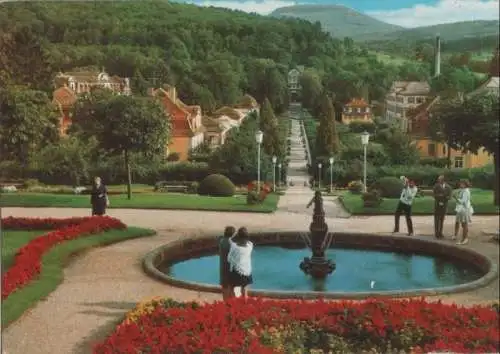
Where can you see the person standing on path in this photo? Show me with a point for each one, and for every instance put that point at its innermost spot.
(99, 197)
(240, 261)
(464, 212)
(224, 245)
(442, 194)
(404, 206)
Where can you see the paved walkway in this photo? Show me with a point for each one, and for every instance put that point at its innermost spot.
(102, 284)
(299, 195)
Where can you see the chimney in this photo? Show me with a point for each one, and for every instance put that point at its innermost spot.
(437, 57)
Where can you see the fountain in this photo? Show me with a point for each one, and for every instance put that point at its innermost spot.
(318, 266)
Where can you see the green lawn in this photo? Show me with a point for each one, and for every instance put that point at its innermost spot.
(482, 201)
(52, 264)
(142, 201)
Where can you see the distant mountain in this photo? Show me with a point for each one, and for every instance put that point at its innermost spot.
(342, 21)
(339, 20)
(448, 31)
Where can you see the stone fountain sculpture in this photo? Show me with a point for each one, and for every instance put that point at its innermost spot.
(318, 266)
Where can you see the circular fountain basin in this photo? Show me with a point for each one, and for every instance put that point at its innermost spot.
(367, 265)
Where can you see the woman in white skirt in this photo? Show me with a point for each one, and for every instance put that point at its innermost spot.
(240, 261)
(464, 212)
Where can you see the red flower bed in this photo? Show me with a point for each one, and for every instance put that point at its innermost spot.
(28, 259)
(270, 326)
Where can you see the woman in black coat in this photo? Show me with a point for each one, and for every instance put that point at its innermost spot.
(99, 197)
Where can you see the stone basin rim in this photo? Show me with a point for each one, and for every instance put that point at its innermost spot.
(393, 243)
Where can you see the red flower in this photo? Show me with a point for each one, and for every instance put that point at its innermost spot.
(27, 262)
(244, 327)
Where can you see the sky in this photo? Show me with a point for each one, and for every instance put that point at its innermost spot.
(406, 13)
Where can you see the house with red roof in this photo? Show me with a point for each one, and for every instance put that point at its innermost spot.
(187, 130)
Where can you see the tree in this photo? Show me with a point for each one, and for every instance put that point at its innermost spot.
(268, 124)
(123, 125)
(70, 157)
(28, 121)
(471, 124)
(311, 88)
(238, 155)
(327, 141)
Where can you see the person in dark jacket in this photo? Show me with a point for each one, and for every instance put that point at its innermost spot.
(99, 197)
(442, 194)
(227, 290)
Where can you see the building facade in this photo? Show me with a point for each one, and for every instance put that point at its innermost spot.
(69, 85)
(402, 97)
(428, 148)
(293, 81)
(357, 110)
(187, 130)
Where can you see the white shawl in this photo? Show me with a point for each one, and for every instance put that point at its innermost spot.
(240, 258)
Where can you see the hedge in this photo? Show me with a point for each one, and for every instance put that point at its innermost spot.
(426, 176)
(141, 174)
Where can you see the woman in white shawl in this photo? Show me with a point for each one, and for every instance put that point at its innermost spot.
(464, 212)
(240, 261)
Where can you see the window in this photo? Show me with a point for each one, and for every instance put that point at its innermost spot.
(431, 149)
(444, 149)
(349, 110)
(459, 162)
(420, 99)
(411, 99)
(358, 110)
(367, 110)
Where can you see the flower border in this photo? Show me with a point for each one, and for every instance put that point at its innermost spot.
(28, 260)
(266, 326)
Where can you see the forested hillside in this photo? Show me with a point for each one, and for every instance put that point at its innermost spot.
(212, 55)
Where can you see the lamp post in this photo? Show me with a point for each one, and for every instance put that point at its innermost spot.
(258, 138)
(319, 177)
(331, 172)
(365, 138)
(279, 174)
(274, 173)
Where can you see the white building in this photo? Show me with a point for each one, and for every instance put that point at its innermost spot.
(403, 96)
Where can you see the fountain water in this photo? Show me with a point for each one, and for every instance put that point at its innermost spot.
(318, 266)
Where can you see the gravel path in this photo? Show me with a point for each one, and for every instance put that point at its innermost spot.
(102, 284)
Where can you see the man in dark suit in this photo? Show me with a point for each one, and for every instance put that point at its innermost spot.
(442, 194)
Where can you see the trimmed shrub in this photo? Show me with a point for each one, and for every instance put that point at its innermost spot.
(193, 187)
(216, 185)
(371, 199)
(355, 187)
(253, 198)
(389, 187)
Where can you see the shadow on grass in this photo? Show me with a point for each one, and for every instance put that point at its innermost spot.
(115, 311)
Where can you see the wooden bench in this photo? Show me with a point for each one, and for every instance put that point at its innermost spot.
(176, 188)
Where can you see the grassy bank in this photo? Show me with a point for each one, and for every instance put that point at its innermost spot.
(52, 264)
(171, 201)
(482, 201)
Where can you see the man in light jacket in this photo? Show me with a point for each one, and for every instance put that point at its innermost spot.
(404, 206)
(442, 194)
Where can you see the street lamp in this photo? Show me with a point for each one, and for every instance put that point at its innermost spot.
(279, 175)
(258, 138)
(274, 173)
(365, 138)
(331, 172)
(319, 177)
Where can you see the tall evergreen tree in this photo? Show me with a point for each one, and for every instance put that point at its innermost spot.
(268, 124)
(327, 141)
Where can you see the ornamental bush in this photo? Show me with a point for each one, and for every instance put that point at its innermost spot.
(371, 199)
(389, 187)
(216, 185)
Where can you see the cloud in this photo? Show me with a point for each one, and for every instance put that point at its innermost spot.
(445, 11)
(261, 7)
